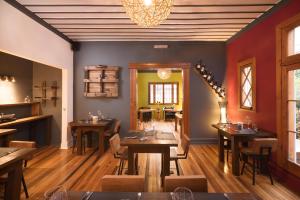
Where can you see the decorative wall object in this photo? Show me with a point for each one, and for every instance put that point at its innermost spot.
(209, 79)
(46, 92)
(101, 81)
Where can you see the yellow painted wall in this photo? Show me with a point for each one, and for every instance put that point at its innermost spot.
(145, 77)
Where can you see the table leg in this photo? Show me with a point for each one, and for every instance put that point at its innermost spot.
(79, 141)
(130, 161)
(235, 156)
(176, 122)
(221, 146)
(101, 141)
(13, 188)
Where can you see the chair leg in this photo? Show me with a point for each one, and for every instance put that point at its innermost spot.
(136, 164)
(253, 170)
(119, 167)
(25, 163)
(25, 187)
(244, 164)
(177, 167)
(74, 144)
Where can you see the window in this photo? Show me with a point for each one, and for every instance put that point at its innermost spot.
(288, 94)
(163, 93)
(294, 116)
(294, 41)
(246, 76)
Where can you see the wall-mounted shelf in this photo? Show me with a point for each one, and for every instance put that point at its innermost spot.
(44, 89)
(101, 81)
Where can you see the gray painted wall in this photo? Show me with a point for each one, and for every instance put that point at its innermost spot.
(49, 74)
(203, 102)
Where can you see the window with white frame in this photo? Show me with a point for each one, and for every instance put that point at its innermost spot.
(163, 93)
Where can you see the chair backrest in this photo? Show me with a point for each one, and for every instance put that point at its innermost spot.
(117, 127)
(123, 183)
(196, 183)
(261, 145)
(114, 142)
(185, 144)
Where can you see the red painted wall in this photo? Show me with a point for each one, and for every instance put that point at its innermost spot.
(259, 42)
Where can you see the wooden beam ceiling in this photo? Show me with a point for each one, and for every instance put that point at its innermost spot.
(190, 20)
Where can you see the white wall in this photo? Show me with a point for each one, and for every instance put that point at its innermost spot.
(21, 36)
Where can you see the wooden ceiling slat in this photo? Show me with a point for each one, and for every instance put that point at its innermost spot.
(133, 26)
(128, 21)
(153, 36)
(148, 30)
(148, 34)
(125, 16)
(118, 2)
(120, 9)
(143, 39)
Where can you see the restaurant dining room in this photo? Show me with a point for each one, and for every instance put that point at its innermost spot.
(150, 99)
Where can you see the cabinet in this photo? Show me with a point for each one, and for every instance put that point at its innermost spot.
(101, 81)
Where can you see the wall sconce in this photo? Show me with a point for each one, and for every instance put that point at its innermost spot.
(223, 111)
(7, 78)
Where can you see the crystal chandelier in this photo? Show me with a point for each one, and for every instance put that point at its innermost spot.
(164, 73)
(148, 13)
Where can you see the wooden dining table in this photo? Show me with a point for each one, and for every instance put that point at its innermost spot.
(87, 127)
(11, 163)
(160, 196)
(149, 142)
(236, 136)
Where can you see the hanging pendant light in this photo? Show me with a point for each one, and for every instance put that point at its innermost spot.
(164, 73)
(148, 13)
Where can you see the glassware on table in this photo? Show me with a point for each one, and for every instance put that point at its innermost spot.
(248, 122)
(56, 193)
(182, 193)
(255, 127)
(90, 116)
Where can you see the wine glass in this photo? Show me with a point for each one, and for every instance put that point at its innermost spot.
(56, 193)
(182, 193)
(248, 122)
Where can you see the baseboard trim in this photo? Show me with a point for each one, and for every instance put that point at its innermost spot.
(204, 140)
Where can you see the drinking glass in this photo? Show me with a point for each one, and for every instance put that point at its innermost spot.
(56, 193)
(248, 121)
(182, 193)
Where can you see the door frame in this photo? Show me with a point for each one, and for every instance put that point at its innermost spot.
(185, 67)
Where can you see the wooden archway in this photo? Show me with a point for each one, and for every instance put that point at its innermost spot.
(185, 67)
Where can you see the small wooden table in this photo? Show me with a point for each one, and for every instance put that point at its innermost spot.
(161, 196)
(178, 120)
(11, 163)
(155, 143)
(84, 126)
(6, 134)
(236, 136)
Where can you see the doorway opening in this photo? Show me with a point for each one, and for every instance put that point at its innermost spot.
(159, 97)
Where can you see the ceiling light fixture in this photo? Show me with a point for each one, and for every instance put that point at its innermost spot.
(7, 78)
(164, 73)
(148, 13)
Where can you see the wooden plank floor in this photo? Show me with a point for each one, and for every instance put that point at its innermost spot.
(52, 166)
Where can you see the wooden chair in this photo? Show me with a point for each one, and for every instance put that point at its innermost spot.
(175, 153)
(120, 152)
(74, 138)
(123, 183)
(260, 150)
(21, 144)
(115, 130)
(196, 183)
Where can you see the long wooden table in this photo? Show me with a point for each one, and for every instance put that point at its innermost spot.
(83, 126)
(160, 196)
(11, 164)
(149, 142)
(236, 136)
(31, 120)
